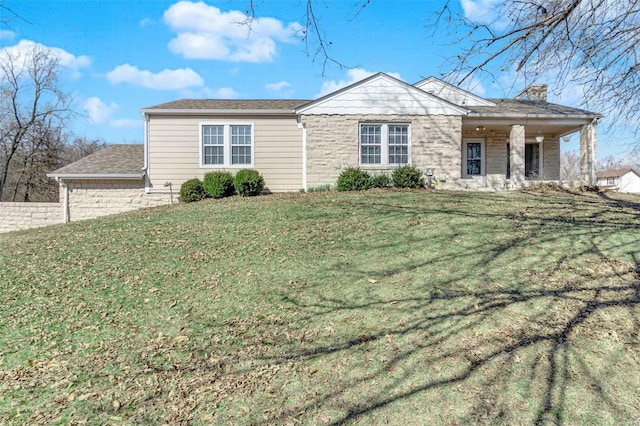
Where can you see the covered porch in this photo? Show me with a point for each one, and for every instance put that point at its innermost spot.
(519, 142)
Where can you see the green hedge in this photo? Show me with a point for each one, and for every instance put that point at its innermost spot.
(353, 179)
(218, 184)
(407, 177)
(248, 183)
(192, 190)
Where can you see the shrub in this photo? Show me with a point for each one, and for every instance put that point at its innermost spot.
(353, 179)
(248, 182)
(381, 181)
(192, 190)
(218, 184)
(407, 177)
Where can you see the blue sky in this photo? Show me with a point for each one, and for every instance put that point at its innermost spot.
(123, 55)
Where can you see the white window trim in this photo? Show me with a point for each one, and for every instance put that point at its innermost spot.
(384, 146)
(227, 144)
(540, 152)
(483, 158)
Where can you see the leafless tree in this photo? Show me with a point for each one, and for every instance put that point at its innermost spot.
(592, 45)
(317, 42)
(32, 108)
(570, 166)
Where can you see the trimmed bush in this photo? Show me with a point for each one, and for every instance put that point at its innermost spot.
(353, 179)
(407, 177)
(192, 190)
(248, 183)
(380, 181)
(218, 184)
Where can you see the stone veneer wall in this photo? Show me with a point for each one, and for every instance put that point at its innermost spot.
(332, 145)
(88, 199)
(16, 216)
(93, 198)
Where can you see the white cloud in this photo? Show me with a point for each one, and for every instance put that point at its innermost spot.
(125, 122)
(353, 75)
(145, 22)
(207, 93)
(99, 112)
(164, 80)
(276, 87)
(225, 93)
(22, 51)
(7, 35)
(480, 10)
(206, 32)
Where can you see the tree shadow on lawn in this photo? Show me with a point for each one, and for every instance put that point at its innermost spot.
(487, 341)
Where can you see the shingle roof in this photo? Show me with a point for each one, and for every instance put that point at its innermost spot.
(528, 108)
(615, 173)
(230, 104)
(116, 160)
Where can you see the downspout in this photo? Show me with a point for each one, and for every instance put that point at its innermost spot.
(65, 201)
(145, 168)
(304, 153)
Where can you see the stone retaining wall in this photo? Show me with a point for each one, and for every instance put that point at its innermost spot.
(16, 216)
(87, 199)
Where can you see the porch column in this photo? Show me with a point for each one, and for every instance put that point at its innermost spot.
(516, 155)
(588, 154)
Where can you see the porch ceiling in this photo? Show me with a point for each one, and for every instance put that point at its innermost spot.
(550, 128)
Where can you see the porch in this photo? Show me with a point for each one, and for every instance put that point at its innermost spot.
(502, 151)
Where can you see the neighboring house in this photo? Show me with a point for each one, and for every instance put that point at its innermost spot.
(621, 180)
(377, 124)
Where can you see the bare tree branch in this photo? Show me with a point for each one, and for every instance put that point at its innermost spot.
(591, 45)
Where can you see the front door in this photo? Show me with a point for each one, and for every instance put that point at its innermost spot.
(532, 161)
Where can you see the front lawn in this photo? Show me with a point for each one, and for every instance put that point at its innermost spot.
(329, 308)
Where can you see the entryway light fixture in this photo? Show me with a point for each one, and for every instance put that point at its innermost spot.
(540, 137)
(480, 129)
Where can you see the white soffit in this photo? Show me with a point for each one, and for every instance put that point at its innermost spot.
(381, 94)
(451, 93)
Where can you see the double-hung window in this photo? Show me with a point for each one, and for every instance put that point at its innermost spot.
(213, 144)
(384, 144)
(226, 145)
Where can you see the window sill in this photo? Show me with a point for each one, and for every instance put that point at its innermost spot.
(226, 166)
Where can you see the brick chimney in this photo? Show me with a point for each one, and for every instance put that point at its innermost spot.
(534, 92)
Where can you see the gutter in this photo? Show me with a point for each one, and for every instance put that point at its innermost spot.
(65, 200)
(304, 154)
(226, 112)
(123, 176)
(145, 168)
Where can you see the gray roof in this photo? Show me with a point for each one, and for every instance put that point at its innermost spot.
(114, 161)
(230, 104)
(528, 108)
(616, 173)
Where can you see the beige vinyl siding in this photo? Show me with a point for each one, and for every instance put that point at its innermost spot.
(174, 150)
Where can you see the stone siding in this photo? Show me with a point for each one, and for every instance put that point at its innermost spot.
(333, 145)
(16, 216)
(93, 198)
(551, 159)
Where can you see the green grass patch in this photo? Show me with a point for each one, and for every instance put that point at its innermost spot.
(328, 308)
